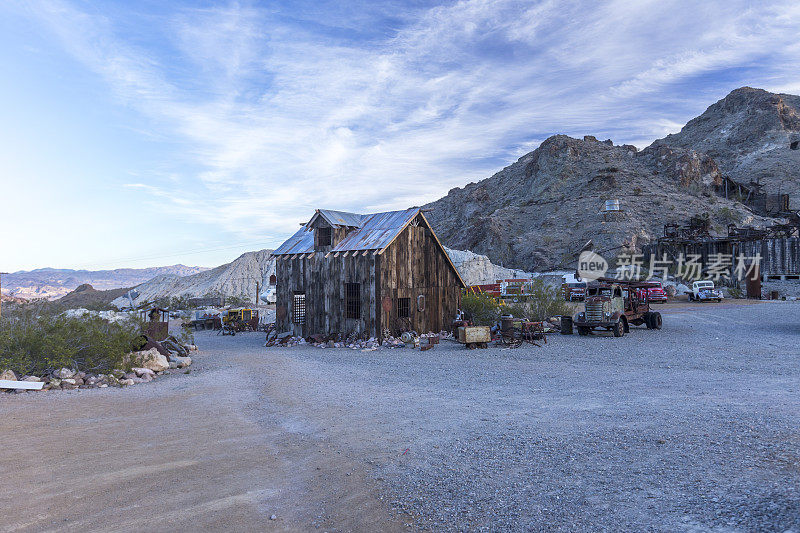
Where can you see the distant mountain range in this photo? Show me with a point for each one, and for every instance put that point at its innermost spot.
(53, 283)
(238, 278)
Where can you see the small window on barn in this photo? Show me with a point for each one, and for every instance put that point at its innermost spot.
(795, 145)
(421, 303)
(352, 297)
(273, 279)
(324, 236)
(299, 308)
(403, 307)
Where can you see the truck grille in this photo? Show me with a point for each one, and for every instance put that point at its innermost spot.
(594, 311)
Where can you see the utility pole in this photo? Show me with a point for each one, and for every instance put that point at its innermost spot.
(258, 291)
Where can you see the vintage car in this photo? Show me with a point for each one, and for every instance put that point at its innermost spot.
(655, 293)
(615, 305)
(704, 291)
(574, 291)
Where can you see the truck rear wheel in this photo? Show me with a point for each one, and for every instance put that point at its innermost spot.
(648, 317)
(655, 320)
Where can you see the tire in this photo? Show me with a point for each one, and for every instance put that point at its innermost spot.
(619, 329)
(648, 320)
(655, 320)
(583, 331)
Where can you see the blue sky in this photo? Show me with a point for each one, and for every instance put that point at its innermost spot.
(147, 133)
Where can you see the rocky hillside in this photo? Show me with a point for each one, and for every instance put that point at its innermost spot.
(53, 283)
(539, 211)
(477, 269)
(237, 278)
(86, 296)
(751, 134)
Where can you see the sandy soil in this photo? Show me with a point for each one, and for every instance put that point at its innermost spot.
(183, 453)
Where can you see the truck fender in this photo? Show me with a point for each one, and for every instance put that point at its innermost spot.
(621, 316)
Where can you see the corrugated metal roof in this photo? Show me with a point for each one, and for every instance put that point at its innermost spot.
(342, 218)
(376, 231)
(300, 242)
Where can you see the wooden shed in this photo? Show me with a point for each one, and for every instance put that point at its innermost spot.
(345, 273)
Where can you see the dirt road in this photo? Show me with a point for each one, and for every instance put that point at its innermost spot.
(183, 453)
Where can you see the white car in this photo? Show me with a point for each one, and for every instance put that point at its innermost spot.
(704, 291)
(269, 295)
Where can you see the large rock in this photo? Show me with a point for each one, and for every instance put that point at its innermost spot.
(141, 372)
(150, 359)
(64, 373)
(9, 375)
(182, 362)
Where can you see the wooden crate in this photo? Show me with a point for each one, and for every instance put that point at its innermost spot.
(474, 334)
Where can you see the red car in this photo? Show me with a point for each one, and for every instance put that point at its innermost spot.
(655, 293)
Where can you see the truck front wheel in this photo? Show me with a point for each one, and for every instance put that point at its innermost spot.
(619, 329)
(583, 331)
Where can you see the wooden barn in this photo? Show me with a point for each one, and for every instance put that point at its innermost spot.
(344, 273)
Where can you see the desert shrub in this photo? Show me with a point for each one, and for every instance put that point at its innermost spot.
(33, 342)
(484, 309)
(728, 215)
(543, 302)
(735, 292)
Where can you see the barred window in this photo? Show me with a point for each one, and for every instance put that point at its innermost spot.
(299, 308)
(352, 297)
(324, 236)
(403, 307)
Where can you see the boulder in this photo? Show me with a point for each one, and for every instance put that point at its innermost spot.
(32, 379)
(64, 373)
(9, 375)
(150, 359)
(55, 383)
(126, 381)
(141, 372)
(182, 362)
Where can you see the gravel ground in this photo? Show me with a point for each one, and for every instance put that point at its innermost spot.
(691, 428)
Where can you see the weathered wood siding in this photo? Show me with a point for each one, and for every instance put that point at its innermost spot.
(322, 280)
(415, 265)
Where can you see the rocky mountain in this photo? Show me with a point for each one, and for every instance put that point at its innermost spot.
(752, 135)
(86, 296)
(52, 283)
(538, 212)
(237, 278)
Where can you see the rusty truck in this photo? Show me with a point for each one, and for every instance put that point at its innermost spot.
(615, 305)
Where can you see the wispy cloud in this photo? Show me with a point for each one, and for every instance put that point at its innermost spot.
(279, 115)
